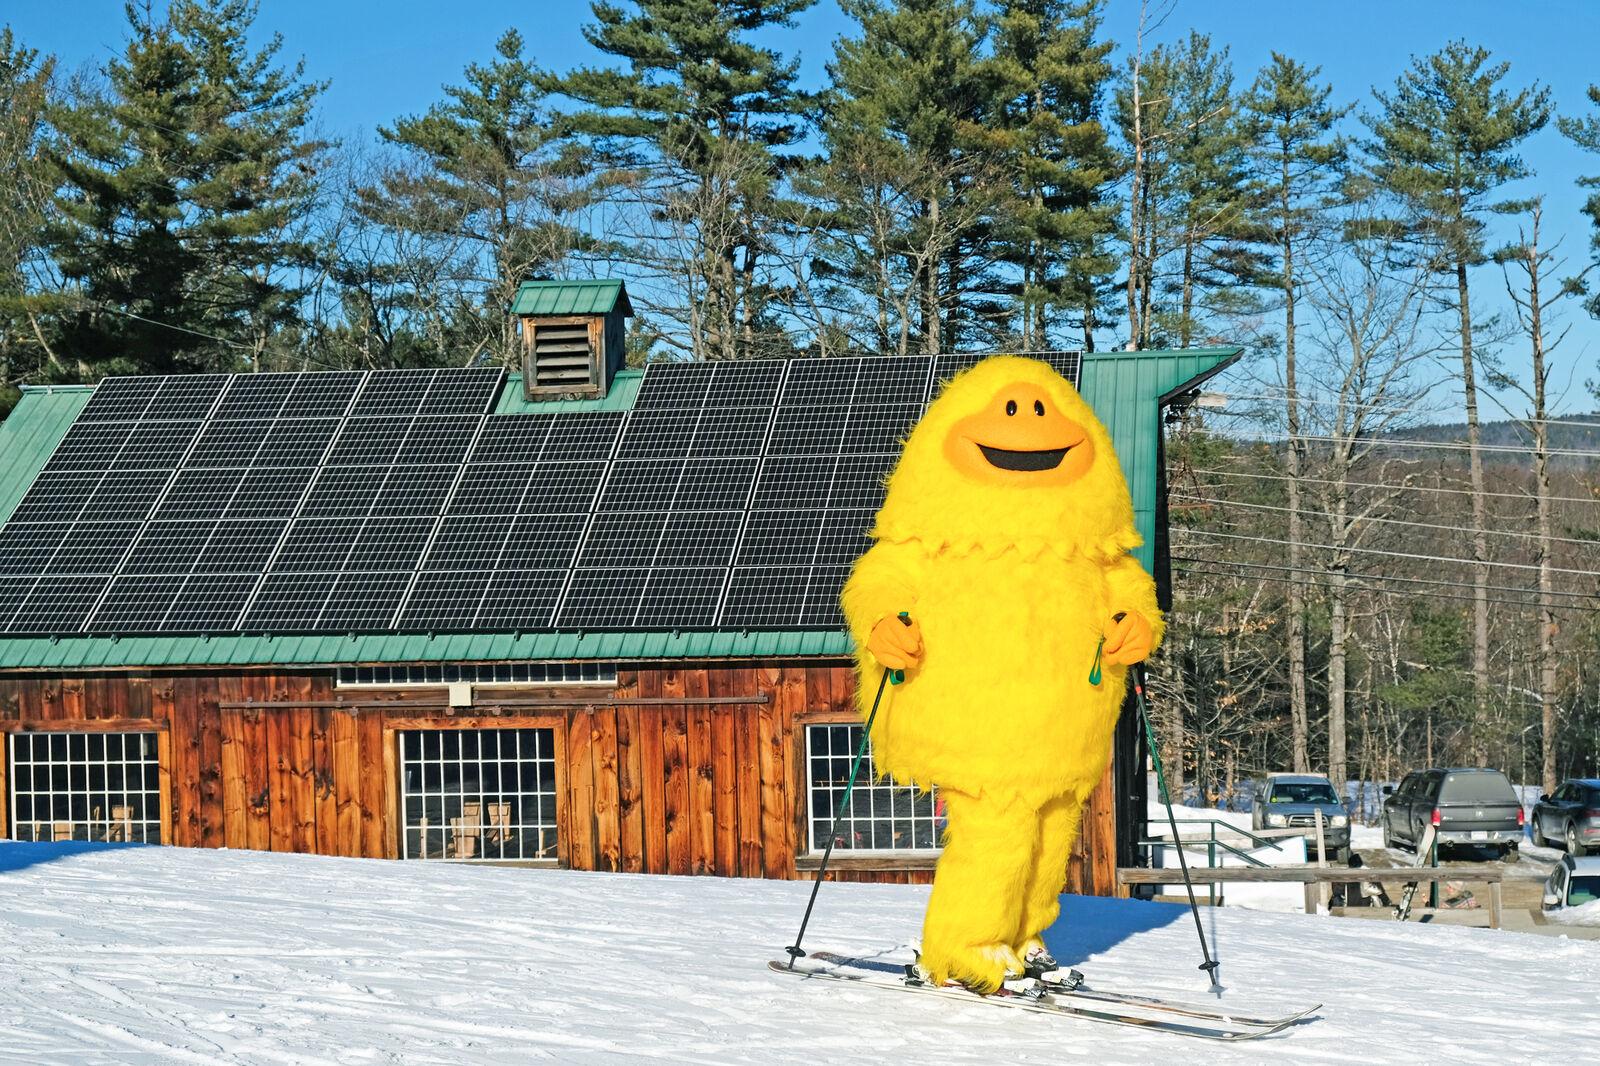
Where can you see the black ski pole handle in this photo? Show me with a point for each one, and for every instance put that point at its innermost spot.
(897, 676)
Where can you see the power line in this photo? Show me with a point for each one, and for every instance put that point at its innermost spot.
(1381, 485)
(1386, 521)
(1454, 446)
(1380, 590)
(1433, 581)
(1283, 395)
(1399, 555)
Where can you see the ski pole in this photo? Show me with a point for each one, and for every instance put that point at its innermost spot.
(1210, 965)
(795, 950)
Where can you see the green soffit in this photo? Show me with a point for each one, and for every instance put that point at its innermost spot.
(571, 298)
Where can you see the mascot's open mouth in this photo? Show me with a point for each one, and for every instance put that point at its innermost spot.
(1048, 459)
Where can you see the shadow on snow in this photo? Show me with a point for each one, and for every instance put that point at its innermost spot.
(19, 855)
(1091, 924)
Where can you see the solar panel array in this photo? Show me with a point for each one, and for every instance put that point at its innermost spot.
(732, 496)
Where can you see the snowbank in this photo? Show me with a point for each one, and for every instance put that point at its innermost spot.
(166, 955)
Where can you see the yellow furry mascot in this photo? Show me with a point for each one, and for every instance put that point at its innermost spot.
(1005, 536)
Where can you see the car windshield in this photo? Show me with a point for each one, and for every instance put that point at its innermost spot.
(1489, 787)
(1303, 792)
(1584, 888)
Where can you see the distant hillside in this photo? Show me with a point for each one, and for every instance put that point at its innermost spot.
(1508, 433)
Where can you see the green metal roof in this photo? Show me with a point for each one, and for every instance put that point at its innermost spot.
(1126, 389)
(624, 387)
(34, 428)
(571, 298)
(44, 653)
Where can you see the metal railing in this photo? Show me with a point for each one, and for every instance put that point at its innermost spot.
(1212, 844)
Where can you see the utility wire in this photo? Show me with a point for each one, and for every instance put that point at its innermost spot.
(1455, 446)
(1516, 419)
(1365, 577)
(1388, 593)
(1399, 555)
(1381, 485)
(1387, 521)
(1360, 585)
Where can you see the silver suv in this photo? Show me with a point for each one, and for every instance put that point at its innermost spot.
(1573, 883)
(1291, 801)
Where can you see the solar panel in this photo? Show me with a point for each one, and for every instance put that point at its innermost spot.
(733, 495)
(56, 604)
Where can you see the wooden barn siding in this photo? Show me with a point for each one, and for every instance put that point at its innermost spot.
(709, 788)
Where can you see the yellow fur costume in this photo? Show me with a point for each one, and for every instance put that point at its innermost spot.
(1012, 569)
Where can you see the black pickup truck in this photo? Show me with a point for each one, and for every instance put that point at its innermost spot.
(1465, 806)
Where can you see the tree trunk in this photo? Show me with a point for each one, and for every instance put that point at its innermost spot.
(1297, 598)
(930, 283)
(1337, 591)
(1480, 520)
(1541, 471)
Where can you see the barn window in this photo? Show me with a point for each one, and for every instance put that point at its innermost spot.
(85, 786)
(883, 815)
(479, 793)
(526, 673)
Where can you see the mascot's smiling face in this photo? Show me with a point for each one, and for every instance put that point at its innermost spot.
(1020, 437)
(1009, 456)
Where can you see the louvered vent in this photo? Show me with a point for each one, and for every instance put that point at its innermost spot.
(562, 357)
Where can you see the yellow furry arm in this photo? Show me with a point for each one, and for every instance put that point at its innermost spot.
(885, 581)
(1130, 588)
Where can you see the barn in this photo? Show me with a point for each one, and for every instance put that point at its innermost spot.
(580, 615)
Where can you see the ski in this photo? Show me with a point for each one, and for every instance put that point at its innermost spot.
(1042, 1003)
(1077, 990)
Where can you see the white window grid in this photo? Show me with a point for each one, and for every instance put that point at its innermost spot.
(584, 672)
(883, 816)
(85, 786)
(478, 794)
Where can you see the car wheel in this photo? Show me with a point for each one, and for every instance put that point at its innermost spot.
(1573, 847)
(1538, 837)
(1388, 841)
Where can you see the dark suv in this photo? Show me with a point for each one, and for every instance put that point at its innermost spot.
(1465, 805)
(1570, 817)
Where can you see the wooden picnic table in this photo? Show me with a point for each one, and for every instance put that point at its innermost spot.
(1489, 873)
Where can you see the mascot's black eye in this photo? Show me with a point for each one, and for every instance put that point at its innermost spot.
(1038, 408)
(1011, 407)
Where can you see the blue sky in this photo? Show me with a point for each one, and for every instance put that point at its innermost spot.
(388, 59)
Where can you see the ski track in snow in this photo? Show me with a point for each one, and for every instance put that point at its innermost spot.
(163, 955)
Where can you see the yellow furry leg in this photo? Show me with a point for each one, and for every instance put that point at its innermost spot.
(978, 891)
(1058, 828)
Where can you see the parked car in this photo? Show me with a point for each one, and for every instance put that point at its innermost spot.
(1569, 817)
(1574, 882)
(1465, 805)
(1291, 801)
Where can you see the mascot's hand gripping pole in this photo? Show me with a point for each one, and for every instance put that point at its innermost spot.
(1210, 965)
(795, 950)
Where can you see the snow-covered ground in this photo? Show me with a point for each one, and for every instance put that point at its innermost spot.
(165, 955)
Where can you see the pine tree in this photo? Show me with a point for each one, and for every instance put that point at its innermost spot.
(183, 190)
(696, 120)
(1192, 234)
(1585, 132)
(912, 89)
(25, 91)
(1299, 157)
(1051, 75)
(1445, 139)
(490, 187)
